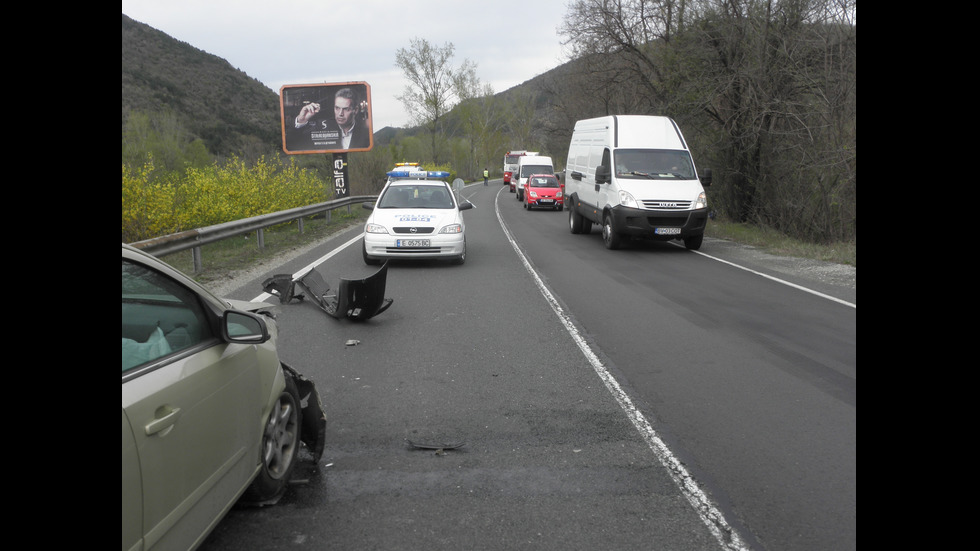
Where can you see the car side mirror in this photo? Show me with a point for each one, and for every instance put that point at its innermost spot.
(602, 174)
(706, 177)
(243, 327)
(465, 205)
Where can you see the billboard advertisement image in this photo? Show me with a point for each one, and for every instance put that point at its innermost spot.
(326, 118)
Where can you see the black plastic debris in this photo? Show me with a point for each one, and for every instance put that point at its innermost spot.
(355, 299)
(282, 286)
(434, 445)
(313, 432)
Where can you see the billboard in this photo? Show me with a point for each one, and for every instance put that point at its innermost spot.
(326, 118)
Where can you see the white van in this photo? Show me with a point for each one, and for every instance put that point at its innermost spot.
(526, 166)
(634, 175)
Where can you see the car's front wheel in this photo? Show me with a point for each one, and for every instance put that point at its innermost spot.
(280, 448)
(694, 242)
(610, 238)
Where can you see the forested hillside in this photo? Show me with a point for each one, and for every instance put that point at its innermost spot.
(207, 98)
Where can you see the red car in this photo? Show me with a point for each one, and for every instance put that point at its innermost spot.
(544, 190)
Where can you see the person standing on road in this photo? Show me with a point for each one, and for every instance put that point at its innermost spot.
(486, 174)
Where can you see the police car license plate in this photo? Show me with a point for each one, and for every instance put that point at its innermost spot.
(667, 231)
(412, 243)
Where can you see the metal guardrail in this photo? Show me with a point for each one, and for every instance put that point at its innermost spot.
(194, 239)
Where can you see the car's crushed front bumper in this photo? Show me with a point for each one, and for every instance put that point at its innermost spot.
(313, 431)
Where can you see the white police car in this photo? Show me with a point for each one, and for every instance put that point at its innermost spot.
(417, 215)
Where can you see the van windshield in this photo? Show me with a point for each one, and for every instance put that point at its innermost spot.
(528, 170)
(654, 164)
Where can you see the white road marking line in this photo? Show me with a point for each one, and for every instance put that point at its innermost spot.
(776, 279)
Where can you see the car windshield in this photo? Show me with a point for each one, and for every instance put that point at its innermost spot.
(654, 164)
(528, 170)
(539, 181)
(416, 196)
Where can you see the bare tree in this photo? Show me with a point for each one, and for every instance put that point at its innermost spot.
(520, 119)
(482, 114)
(432, 92)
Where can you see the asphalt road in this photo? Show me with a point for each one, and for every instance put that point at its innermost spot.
(647, 398)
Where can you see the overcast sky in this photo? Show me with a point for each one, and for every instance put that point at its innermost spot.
(324, 41)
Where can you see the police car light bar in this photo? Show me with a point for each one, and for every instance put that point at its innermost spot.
(420, 174)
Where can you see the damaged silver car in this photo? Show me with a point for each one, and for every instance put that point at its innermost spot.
(210, 416)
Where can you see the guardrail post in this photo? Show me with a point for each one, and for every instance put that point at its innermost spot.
(260, 237)
(196, 256)
(301, 225)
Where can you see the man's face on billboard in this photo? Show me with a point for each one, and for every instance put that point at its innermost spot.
(343, 111)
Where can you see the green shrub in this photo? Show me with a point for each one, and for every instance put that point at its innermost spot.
(155, 205)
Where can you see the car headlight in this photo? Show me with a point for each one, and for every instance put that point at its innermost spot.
(375, 228)
(558, 195)
(532, 193)
(627, 200)
(452, 228)
(702, 202)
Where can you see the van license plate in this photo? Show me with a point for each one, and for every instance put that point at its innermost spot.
(667, 231)
(412, 243)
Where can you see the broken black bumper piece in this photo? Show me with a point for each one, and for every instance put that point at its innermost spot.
(355, 299)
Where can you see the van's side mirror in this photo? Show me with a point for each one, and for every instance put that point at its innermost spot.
(706, 177)
(602, 174)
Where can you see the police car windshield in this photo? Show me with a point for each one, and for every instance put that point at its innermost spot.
(416, 196)
(654, 164)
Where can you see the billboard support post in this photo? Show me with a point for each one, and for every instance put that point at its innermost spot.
(341, 188)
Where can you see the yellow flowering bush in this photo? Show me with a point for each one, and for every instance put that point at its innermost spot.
(154, 205)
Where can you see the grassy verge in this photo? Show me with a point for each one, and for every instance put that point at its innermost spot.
(219, 258)
(776, 243)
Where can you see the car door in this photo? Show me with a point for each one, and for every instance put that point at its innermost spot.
(192, 408)
(606, 193)
(590, 192)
